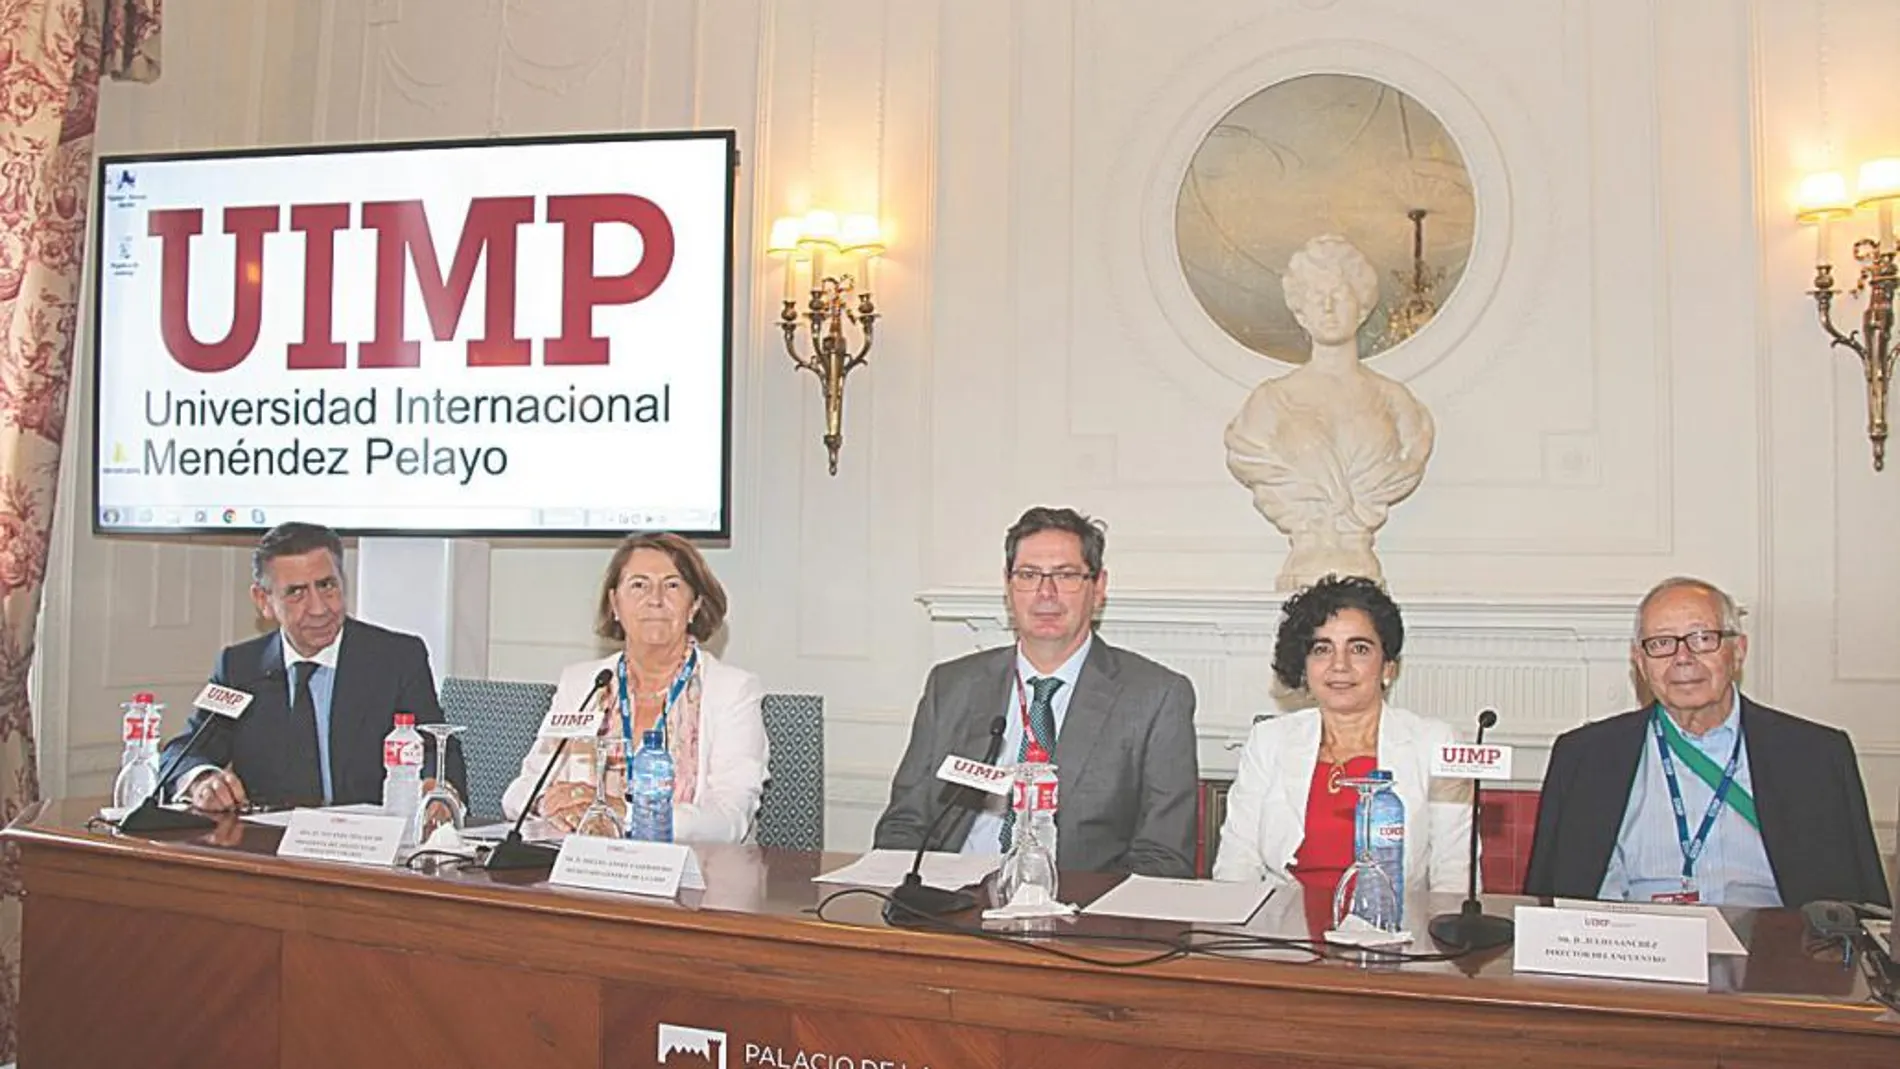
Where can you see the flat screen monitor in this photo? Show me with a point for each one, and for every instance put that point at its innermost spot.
(500, 337)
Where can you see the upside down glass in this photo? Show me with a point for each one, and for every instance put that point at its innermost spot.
(602, 819)
(440, 804)
(1365, 889)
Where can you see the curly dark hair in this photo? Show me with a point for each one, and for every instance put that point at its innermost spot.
(1307, 611)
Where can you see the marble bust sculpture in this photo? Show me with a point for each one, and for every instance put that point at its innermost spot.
(1330, 447)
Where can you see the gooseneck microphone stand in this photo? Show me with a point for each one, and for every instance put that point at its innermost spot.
(914, 903)
(1471, 928)
(515, 853)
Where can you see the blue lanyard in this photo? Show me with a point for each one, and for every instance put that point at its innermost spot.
(673, 693)
(1692, 848)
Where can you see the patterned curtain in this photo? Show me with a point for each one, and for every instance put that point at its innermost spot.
(52, 55)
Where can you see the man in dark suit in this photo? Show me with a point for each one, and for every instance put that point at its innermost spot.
(1705, 796)
(326, 689)
(1120, 726)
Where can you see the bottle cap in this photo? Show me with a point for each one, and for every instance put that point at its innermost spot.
(653, 738)
(405, 720)
(1036, 754)
(145, 696)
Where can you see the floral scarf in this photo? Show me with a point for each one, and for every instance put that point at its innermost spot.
(682, 727)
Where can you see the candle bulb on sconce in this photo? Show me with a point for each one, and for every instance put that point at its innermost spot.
(1823, 199)
(821, 240)
(1879, 185)
(784, 243)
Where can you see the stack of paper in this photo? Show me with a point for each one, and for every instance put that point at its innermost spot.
(1191, 901)
(887, 868)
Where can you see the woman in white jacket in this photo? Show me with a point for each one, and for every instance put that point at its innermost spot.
(659, 598)
(1288, 816)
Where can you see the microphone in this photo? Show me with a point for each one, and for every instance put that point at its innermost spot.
(512, 852)
(149, 816)
(1471, 928)
(913, 902)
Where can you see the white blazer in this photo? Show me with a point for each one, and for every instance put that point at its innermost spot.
(732, 752)
(1266, 809)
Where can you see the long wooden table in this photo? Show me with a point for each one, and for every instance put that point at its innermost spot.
(207, 950)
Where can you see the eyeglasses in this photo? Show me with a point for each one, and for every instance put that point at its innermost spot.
(1697, 641)
(1029, 580)
(671, 588)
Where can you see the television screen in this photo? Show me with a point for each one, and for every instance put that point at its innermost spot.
(519, 337)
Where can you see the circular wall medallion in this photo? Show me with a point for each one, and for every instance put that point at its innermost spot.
(1324, 153)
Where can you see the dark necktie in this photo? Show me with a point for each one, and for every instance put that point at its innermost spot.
(305, 782)
(1042, 724)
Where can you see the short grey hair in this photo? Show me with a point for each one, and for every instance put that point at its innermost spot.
(1731, 613)
(293, 539)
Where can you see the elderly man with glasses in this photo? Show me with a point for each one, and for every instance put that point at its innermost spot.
(1120, 727)
(1703, 796)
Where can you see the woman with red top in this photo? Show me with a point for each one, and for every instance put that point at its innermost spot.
(1288, 815)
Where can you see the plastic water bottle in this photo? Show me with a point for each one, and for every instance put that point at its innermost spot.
(138, 764)
(1387, 828)
(650, 791)
(402, 772)
(1029, 872)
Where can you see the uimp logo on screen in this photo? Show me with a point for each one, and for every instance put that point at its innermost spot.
(380, 336)
(681, 1045)
(405, 245)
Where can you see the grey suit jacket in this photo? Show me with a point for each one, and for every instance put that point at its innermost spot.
(1125, 761)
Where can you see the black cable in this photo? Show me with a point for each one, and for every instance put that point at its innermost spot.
(1167, 949)
(1190, 942)
(461, 861)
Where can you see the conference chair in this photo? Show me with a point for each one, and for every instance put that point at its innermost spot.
(792, 814)
(501, 717)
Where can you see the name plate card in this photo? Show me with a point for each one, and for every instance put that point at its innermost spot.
(1460, 760)
(1616, 946)
(967, 773)
(351, 838)
(626, 866)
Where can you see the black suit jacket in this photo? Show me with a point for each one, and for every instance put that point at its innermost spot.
(1808, 794)
(379, 673)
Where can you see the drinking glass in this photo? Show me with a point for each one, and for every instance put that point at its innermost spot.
(440, 805)
(1365, 889)
(610, 781)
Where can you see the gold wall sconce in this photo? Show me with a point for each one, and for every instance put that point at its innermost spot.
(1822, 201)
(831, 261)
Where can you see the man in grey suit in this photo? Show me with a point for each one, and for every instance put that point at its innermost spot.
(1121, 726)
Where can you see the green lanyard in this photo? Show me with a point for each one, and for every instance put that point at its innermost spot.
(1707, 770)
